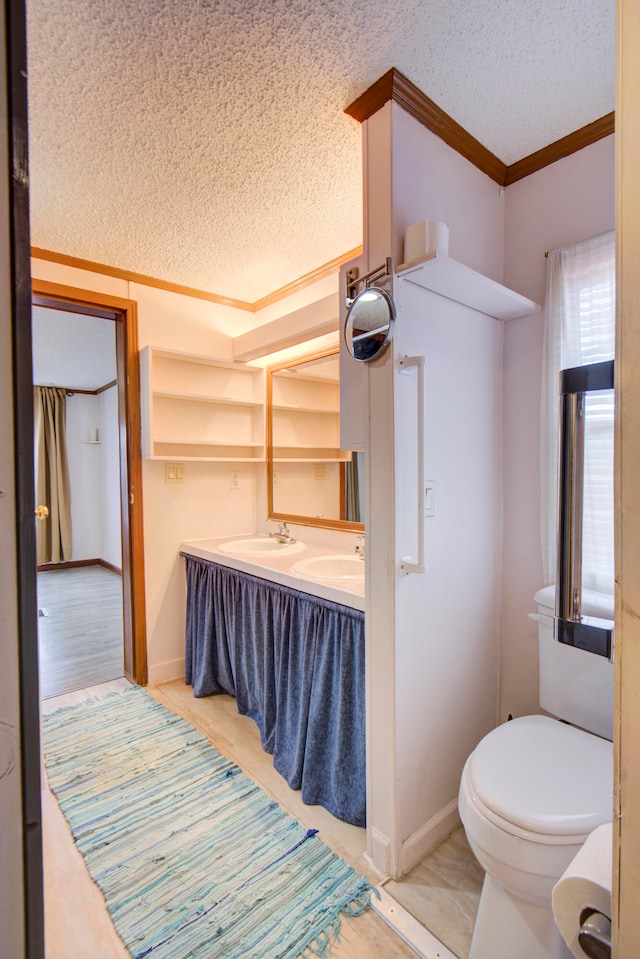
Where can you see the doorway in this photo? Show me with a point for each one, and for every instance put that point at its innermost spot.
(109, 410)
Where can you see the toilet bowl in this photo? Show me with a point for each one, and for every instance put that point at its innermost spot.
(531, 792)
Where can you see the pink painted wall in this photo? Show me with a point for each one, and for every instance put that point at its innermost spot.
(434, 182)
(561, 204)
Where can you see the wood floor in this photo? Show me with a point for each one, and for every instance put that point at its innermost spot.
(80, 635)
(88, 932)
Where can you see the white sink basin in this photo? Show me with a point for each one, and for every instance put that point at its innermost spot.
(330, 569)
(259, 546)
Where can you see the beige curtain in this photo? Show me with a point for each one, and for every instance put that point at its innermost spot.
(352, 491)
(53, 535)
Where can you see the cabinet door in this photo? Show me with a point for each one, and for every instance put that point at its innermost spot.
(354, 381)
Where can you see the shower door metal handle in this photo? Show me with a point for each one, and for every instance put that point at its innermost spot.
(571, 627)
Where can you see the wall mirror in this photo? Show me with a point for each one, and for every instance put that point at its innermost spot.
(310, 480)
(369, 323)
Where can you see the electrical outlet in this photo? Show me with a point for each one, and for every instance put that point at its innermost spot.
(319, 471)
(234, 479)
(174, 472)
(275, 479)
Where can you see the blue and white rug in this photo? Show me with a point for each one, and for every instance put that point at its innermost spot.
(193, 858)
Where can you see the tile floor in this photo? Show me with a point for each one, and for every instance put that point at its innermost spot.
(78, 924)
(443, 892)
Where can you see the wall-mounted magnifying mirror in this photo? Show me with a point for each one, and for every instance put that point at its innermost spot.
(369, 323)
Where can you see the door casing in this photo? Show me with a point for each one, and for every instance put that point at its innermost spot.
(124, 313)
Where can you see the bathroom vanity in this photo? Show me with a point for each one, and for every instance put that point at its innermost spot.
(281, 628)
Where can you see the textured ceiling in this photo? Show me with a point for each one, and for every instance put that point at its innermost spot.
(72, 350)
(204, 142)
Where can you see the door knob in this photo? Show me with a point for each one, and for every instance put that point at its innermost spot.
(41, 512)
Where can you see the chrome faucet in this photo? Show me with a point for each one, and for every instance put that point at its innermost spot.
(359, 547)
(283, 535)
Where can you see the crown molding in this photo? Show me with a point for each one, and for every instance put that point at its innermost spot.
(294, 287)
(327, 269)
(584, 137)
(394, 86)
(74, 261)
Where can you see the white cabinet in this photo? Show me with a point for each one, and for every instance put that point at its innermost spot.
(200, 408)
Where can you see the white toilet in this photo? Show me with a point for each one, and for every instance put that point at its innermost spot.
(534, 788)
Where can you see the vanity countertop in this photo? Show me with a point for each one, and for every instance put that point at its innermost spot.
(277, 568)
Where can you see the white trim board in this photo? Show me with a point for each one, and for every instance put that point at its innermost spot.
(423, 943)
(424, 840)
(166, 672)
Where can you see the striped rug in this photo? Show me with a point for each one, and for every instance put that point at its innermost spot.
(193, 858)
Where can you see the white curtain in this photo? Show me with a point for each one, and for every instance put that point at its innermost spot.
(580, 329)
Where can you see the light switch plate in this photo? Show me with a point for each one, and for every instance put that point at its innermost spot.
(174, 472)
(428, 498)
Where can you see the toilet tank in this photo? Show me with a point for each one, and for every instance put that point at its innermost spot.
(575, 685)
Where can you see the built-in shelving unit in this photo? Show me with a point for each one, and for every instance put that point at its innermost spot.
(305, 415)
(458, 282)
(200, 408)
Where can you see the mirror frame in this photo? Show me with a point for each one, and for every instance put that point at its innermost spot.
(320, 522)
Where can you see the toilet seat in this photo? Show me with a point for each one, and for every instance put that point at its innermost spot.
(542, 780)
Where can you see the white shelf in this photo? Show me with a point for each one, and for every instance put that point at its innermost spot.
(460, 283)
(207, 443)
(294, 408)
(227, 400)
(305, 446)
(200, 360)
(208, 459)
(314, 459)
(205, 398)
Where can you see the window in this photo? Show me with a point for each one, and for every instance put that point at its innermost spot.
(580, 329)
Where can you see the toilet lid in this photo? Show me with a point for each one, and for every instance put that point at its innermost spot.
(545, 776)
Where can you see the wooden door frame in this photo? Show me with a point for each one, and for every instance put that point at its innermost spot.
(124, 312)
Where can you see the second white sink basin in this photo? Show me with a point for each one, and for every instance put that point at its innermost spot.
(330, 569)
(259, 546)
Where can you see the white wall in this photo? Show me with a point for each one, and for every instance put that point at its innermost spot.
(431, 677)
(204, 505)
(566, 202)
(437, 183)
(110, 448)
(85, 476)
(504, 235)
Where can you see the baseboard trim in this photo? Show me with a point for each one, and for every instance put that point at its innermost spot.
(431, 834)
(165, 672)
(379, 851)
(69, 564)
(407, 927)
(77, 563)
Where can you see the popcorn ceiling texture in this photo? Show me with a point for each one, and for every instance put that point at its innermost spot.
(204, 142)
